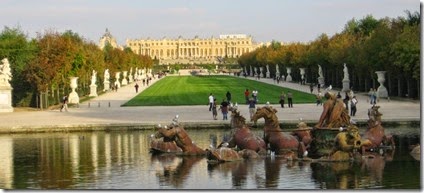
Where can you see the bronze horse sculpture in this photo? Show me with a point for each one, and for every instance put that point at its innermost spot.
(375, 132)
(163, 144)
(242, 136)
(279, 142)
(177, 134)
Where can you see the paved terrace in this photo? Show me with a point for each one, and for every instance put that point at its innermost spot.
(97, 115)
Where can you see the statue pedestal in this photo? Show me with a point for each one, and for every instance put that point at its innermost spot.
(268, 75)
(277, 74)
(117, 84)
(124, 82)
(346, 85)
(130, 79)
(6, 99)
(288, 78)
(93, 90)
(106, 86)
(73, 98)
(321, 81)
(382, 92)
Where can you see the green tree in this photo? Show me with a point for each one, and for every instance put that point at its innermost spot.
(15, 46)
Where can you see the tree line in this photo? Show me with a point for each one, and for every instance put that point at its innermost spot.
(41, 66)
(366, 46)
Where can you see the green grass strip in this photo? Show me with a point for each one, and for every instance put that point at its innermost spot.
(195, 90)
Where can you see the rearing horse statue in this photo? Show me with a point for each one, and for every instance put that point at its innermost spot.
(375, 131)
(242, 136)
(279, 142)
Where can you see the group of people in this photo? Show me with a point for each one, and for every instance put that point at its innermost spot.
(213, 106)
(289, 97)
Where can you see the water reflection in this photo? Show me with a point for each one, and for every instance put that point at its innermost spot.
(6, 162)
(120, 160)
(175, 170)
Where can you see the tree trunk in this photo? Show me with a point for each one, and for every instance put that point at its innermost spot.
(418, 89)
(408, 87)
(389, 84)
(399, 86)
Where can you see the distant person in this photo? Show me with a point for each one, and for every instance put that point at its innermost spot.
(353, 103)
(290, 99)
(282, 99)
(311, 87)
(214, 111)
(339, 96)
(116, 87)
(136, 88)
(374, 97)
(255, 95)
(228, 95)
(211, 98)
(224, 109)
(64, 104)
(346, 101)
(252, 107)
(246, 95)
(319, 98)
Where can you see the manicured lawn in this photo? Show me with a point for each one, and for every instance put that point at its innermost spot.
(195, 90)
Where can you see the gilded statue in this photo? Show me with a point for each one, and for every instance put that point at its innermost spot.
(334, 114)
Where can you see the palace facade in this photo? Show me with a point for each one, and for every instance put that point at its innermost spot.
(193, 51)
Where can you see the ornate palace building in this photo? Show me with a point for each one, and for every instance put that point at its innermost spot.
(193, 51)
(107, 38)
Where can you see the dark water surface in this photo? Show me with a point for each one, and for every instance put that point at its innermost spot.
(121, 160)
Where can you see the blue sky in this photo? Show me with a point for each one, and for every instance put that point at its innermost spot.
(264, 20)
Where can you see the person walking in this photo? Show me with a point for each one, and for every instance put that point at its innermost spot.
(136, 88)
(246, 95)
(339, 96)
(374, 96)
(228, 95)
(353, 103)
(252, 107)
(65, 104)
(214, 111)
(211, 99)
(290, 99)
(282, 99)
(346, 101)
(319, 99)
(224, 109)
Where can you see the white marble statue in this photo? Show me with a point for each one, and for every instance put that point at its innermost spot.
(5, 72)
(346, 73)
(346, 81)
(320, 73)
(93, 78)
(106, 81)
(106, 75)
